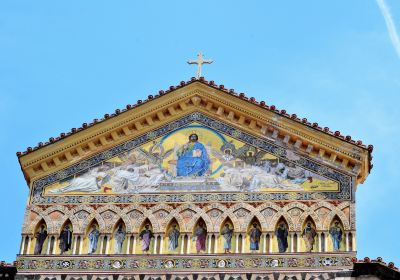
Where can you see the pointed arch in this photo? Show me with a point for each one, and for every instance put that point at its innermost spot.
(340, 216)
(309, 215)
(32, 226)
(190, 227)
(277, 217)
(67, 222)
(218, 222)
(170, 223)
(89, 220)
(253, 221)
(228, 221)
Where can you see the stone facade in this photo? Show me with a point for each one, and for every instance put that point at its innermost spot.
(284, 141)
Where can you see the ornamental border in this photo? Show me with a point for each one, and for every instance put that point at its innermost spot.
(188, 263)
(345, 193)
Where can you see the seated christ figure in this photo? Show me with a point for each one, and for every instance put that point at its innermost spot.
(192, 158)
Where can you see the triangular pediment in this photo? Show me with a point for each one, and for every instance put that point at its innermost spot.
(193, 154)
(194, 99)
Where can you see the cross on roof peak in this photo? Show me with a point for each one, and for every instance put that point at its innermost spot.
(200, 61)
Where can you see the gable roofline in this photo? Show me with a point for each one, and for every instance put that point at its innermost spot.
(212, 84)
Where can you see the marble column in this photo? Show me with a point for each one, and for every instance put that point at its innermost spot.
(319, 234)
(155, 244)
(134, 244)
(55, 245)
(81, 245)
(75, 240)
(237, 243)
(182, 243)
(291, 242)
(270, 243)
(215, 244)
(264, 249)
(209, 237)
(347, 241)
(354, 243)
(108, 245)
(101, 238)
(28, 250)
(128, 244)
(298, 242)
(161, 243)
(188, 244)
(49, 237)
(21, 251)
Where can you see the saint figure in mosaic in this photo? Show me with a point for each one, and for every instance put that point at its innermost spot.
(200, 234)
(308, 235)
(65, 240)
(93, 239)
(146, 235)
(255, 235)
(227, 233)
(41, 236)
(336, 235)
(282, 235)
(119, 238)
(193, 159)
(173, 238)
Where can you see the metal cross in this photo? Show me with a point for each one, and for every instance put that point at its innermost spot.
(199, 62)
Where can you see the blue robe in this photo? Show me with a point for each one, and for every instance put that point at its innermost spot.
(192, 160)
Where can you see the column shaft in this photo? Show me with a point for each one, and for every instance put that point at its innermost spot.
(188, 245)
(28, 250)
(80, 246)
(209, 236)
(291, 242)
(155, 244)
(161, 243)
(183, 243)
(134, 245)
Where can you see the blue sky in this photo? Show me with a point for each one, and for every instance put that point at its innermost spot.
(63, 63)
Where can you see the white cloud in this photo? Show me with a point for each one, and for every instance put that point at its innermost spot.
(394, 36)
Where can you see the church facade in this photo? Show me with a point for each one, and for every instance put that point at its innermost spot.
(196, 182)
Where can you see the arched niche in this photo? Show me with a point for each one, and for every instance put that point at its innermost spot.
(209, 242)
(227, 222)
(278, 230)
(255, 224)
(305, 235)
(169, 244)
(66, 225)
(140, 243)
(91, 227)
(336, 223)
(40, 241)
(119, 232)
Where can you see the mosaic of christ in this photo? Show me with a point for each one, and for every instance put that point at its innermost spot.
(193, 158)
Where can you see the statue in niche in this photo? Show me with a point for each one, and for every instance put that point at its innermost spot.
(173, 238)
(255, 235)
(227, 233)
(119, 238)
(281, 235)
(93, 239)
(308, 235)
(65, 240)
(193, 159)
(41, 236)
(336, 235)
(146, 235)
(200, 234)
